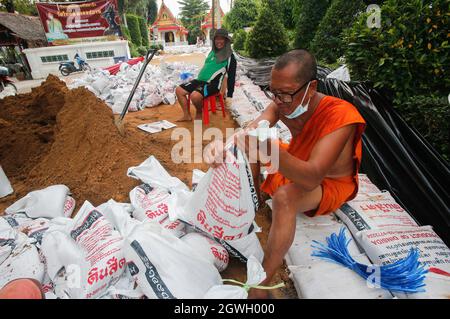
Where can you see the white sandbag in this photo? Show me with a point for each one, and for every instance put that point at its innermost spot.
(119, 215)
(23, 262)
(366, 185)
(177, 227)
(69, 206)
(48, 202)
(151, 172)
(86, 252)
(5, 185)
(326, 280)
(225, 200)
(150, 203)
(15, 220)
(100, 84)
(342, 73)
(209, 249)
(35, 230)
(7, 91)
(255, 275)
(374, 211)
(125, 288)
(165, 267)
(388, 246)
(7, 239)
(169, 98)
(197, 175)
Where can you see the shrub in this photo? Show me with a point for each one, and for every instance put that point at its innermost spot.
(243, 14)
(142, 51)
(239, 39)
(144, 32)
(409, 53)
(133, 50)
(430, 116)
(327, 43)
(135, 32)
(125, 32)
(310, 13)
(268, 36)
(408, 56)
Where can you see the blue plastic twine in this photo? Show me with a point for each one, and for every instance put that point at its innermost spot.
(405, 275)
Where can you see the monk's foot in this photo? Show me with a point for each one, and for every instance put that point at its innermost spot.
(184, 119)
(258, 294)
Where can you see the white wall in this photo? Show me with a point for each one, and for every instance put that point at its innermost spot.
(41, 69)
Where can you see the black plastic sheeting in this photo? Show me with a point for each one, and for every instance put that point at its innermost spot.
(397, 158)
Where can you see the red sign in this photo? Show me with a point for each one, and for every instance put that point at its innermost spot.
(71, 22)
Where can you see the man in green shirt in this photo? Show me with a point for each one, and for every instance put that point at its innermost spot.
(220, 61)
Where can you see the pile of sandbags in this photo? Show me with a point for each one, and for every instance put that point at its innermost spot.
(156, 86)
(186, 49)
(151, 247)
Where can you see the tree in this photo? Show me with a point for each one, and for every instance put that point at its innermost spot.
(144, 32)
(152, 11)
(135, 31)
(243, 14)
(239, 39)
(327, 43)
(268, 36)
(309, 16)
(192, 13)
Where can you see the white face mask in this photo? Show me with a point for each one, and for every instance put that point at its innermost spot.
(300, 109)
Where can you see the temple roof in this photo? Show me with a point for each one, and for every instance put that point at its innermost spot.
(207, 21)
(166, 21)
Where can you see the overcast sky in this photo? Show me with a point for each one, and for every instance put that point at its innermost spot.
(174, 6)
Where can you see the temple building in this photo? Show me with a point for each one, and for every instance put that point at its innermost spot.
(167, 28)
(218, 20)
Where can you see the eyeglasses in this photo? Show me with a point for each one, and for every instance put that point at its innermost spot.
(283, 97)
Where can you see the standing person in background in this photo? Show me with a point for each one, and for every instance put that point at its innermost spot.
(220, 61)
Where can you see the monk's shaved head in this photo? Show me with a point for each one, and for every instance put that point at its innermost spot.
(304, 61)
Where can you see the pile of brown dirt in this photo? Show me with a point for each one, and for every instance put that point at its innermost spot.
(27, 126)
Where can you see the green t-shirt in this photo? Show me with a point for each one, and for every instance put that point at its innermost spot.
(211, 68)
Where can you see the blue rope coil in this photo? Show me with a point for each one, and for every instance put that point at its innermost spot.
(405, 275)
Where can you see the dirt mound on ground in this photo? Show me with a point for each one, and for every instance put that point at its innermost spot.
(59, 136)
(27, 126)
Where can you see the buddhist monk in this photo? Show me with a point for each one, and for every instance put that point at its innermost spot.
(317, 171)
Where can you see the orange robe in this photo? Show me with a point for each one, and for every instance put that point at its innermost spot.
(331, 114)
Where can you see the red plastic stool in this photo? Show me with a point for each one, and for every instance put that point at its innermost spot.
(212, 100)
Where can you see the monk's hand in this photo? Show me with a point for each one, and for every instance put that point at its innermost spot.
(214, 153)
(248, 145)
(269, 154)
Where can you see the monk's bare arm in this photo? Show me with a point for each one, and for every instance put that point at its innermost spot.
(309, 174)
(270, 114)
